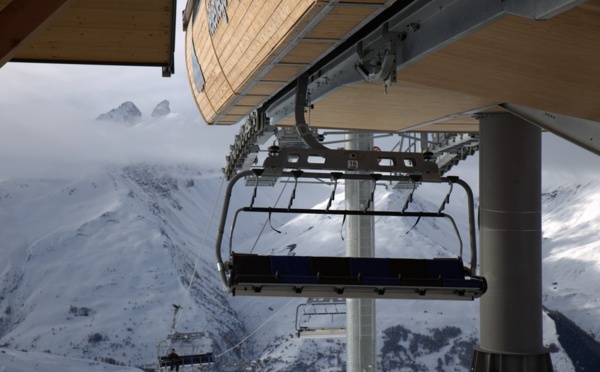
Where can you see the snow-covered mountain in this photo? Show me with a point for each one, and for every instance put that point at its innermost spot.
(162, 109)
(92, 261)
(127, 113)
(90, 267)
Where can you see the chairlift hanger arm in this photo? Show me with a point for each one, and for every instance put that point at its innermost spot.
(221, 229)
(315, 175)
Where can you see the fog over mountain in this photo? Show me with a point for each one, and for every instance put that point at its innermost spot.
(126, 113)
(93, 260)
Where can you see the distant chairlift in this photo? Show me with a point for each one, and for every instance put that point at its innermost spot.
(193, 349)
(321, 308)
(349, 277)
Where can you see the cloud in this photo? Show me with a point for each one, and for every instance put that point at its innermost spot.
(50, 143)
(562, 161)
(47, 114)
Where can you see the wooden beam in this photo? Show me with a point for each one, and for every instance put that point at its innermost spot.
(20, 21)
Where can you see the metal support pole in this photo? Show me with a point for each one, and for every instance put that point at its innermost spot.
(360, 242)
(511, 242)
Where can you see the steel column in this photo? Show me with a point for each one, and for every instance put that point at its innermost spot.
(360, 242)
(510, 240)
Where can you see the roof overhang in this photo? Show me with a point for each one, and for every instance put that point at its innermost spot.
(106, 32)
(462, 59)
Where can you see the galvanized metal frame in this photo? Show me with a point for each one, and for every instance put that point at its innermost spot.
(425, 25)
(323, 331)
(584, 133)
(221, 265)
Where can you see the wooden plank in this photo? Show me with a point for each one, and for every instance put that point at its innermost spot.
(366, 106)
(251, 100)
(306, 52)
(548, 65)
(283, 19)
(593, 6)
(282, 72)
(114, 19)
(216, 88)
(449, 127)
(4, 3)
(111, 31)
(137, 39)
(236, 12)
(231, 118)
(206, 109)
(244, 34)
(264, 88)
(237, 62)
(219, 92)
(338, 23)
(130, 5)
(99, 46)
(366, 2)
(237, 33)
(239, 110)
(96, 54)
(21, 20)
(291, 37)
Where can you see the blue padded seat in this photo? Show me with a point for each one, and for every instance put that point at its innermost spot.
(292, 269)
(333, 270)
(405, 268)
(452, 273)
(256, 275)
(373, 271)
(185, 360)
(447, 268)
(251, 268)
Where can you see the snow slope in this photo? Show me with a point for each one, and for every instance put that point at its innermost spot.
(90, 266)
(571, 224)
(20, 361)
(412, 335)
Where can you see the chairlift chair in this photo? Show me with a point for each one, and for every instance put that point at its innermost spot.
(321, 308)
(194, 350)
(245, 274)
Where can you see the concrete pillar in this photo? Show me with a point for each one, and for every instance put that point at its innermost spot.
(511, 242)
(360, 242)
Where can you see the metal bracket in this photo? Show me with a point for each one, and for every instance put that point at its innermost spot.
(301, 102)
(353, 160)
(581, 132)
(372, 67)
(243, 152)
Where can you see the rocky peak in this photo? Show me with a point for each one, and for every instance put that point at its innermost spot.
(162, 109)
(126, 113)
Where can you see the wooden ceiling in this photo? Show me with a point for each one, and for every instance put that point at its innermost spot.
(551, 65)
(121, 32)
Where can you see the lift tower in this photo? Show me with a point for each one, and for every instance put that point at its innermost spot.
(360, 242)
(511, 247)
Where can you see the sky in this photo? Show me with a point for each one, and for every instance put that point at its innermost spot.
(47, 125)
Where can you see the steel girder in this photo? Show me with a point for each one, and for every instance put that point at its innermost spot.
(418, 28)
